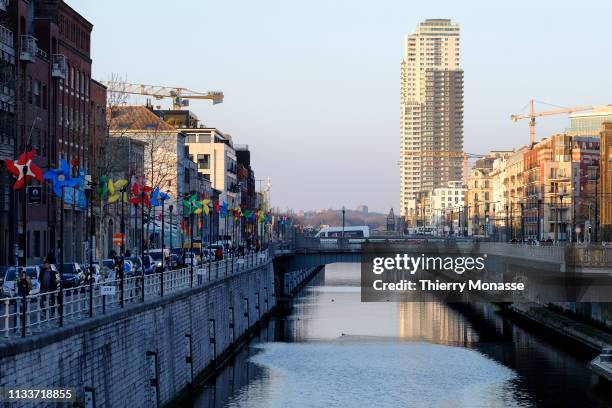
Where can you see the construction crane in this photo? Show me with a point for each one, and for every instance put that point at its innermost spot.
(532, 115)
(180, 96)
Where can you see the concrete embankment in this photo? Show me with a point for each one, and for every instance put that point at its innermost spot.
(147, 354)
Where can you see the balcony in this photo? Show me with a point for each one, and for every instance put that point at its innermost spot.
(28, 48)
(59, 66)
(4, 5)
(6, 35)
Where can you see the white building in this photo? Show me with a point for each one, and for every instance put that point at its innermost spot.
(447, 203)
(431, 111)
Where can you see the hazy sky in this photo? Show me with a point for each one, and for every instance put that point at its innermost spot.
(313, 86)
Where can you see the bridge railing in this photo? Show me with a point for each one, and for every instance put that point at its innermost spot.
(596, 256)
(35, 314)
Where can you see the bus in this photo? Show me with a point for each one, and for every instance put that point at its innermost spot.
(349, 232)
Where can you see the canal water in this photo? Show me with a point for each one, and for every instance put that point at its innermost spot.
(334, 351)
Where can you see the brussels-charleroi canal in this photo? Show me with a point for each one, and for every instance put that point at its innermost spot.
(334, 351)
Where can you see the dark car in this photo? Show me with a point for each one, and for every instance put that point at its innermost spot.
(149, 264)
(73, 274)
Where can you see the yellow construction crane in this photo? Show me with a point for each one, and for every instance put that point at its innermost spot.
(180, 96)
(532, 115)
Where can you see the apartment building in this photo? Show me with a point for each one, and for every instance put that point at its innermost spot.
(44, 104)
(431, 111)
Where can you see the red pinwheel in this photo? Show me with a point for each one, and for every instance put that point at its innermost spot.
(141, 195)
(16, 169)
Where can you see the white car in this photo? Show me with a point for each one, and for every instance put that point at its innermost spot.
(9, 286)
(191, 258)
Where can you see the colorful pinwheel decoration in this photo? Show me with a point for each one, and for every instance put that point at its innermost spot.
(191, 203)
(16, 169)
(223, 210)
(248, 215)
(116, 189)
(237, 212)
(141, 195)
(61, 178)
(158, 197)
(103, 187)
(202, 206)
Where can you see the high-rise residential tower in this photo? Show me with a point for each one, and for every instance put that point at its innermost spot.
(431, 111)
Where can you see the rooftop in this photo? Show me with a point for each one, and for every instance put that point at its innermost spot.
(136, 118)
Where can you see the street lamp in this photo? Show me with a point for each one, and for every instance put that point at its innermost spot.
(539, 217)
(170, 209)
(560, 214)
(522, 204)
(343, 212)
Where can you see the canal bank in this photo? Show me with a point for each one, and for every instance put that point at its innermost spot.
(294, 281)
(147, 354)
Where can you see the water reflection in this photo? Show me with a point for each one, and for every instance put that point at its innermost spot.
(334, 351)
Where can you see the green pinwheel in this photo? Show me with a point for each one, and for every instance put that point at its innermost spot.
(192, 203)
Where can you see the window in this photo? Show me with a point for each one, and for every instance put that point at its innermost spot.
(204, 161)
(29, 89)
(36, 244)
(37, 99)
(44, 96)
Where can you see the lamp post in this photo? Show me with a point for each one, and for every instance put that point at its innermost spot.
(122, 246)
(522, 222)
(142, 249)
(89, 186)
(191, 255)
(163, 232)
(170, 209)
(560, 215)
(539, 217)
(343, 213)
(596, 209)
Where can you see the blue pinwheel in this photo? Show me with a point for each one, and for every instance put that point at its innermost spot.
(157, 197)
(223, 210)
(61, 177)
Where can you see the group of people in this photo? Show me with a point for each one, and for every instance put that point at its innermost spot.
(46, 277)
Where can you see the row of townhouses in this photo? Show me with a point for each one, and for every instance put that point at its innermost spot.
(559, 189)
(50, 103)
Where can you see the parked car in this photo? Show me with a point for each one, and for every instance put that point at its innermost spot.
(191, 259)
(73, 274)
(2, 272)
(9, 284)
(156, 254)
(148, 263)
(97, 272)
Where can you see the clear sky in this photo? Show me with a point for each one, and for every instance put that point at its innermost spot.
(313, 86)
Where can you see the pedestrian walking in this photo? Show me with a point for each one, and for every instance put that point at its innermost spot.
(48, 283)
(24, 285)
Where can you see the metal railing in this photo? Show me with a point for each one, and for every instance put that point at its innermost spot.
(34, 314)
(587, 256)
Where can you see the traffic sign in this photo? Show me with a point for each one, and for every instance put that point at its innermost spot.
(34, 194)
(118, 239)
